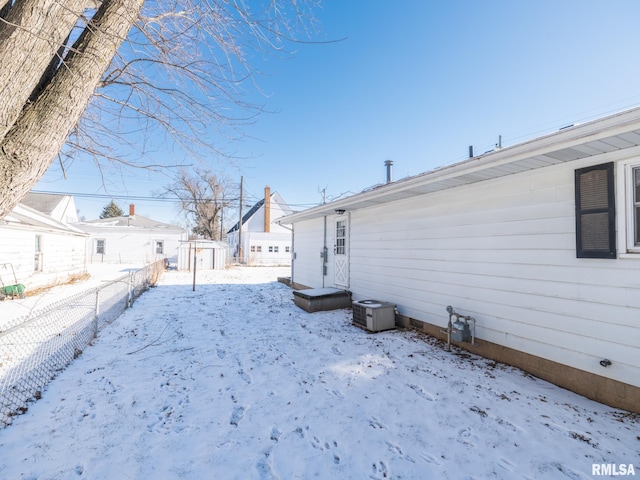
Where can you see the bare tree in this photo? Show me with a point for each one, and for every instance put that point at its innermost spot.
(203, 196)
(132, 68)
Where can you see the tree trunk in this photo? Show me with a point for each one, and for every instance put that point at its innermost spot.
(39, 133)
(32, 34)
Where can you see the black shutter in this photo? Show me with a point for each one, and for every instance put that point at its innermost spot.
(595, 212)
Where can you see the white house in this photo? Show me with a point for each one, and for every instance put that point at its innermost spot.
(539, 242)
(41, 250)
(131, 239)
(264, 242)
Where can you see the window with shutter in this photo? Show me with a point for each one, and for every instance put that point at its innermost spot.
(595, 212)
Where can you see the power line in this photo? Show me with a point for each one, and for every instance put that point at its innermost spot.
(232, 202)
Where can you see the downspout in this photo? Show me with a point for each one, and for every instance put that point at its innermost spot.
(324, 252)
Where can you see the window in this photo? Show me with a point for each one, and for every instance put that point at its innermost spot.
(341, 237)
(635, 206)
(628, 188)
(159, 247)
(37, 260)
(258, 248)
(100, 246)
(270, 249)
(287, 249)
(275, 249)
(253, 248)
(595, 212)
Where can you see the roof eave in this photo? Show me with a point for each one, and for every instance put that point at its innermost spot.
(621, 129)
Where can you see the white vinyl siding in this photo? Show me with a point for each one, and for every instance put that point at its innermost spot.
(502, 251)
(62, 256)
(307, 247)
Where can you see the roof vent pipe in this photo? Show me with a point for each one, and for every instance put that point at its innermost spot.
(388, 164)
(470, 151)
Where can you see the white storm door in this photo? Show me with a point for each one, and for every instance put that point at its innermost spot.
(341, 253)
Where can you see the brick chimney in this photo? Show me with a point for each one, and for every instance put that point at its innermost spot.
(132, 210)
(267, 209)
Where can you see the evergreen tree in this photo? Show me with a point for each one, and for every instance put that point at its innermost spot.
(111, 210)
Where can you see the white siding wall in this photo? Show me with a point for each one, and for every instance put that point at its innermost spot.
(502, 251)
(266, 242)
(131, 245)
(308, 243)
(62, 256)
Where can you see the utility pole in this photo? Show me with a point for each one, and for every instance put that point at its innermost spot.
(221, 223)
(240, 221)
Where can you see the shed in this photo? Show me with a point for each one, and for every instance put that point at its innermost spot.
(209, 255)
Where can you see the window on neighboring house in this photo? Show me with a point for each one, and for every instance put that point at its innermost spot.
(253, 248)
(287, 249)
(270, 249)
(159, 247)
(275, 249)
(259, 248)
(101, 244)
(595, 212)
(37, 260)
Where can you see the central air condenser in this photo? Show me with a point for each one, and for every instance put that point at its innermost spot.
(374, 315)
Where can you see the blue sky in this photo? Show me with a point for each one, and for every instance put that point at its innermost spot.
(416, 82)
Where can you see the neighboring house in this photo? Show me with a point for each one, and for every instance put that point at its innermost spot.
(206, 254)
(42, 250)
(131, 239)
(58, 206)
(264, 242)
(539, 242)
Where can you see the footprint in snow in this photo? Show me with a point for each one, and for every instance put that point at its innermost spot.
(427, 457)
(237, 415)
(375, 423)
(380, 470)
(421, 392)
(244, 376)
(507, 465)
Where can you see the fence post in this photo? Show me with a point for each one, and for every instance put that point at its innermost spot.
(131, 295)
(97, 313)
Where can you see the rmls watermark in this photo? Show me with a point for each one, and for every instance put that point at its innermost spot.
(612, 469)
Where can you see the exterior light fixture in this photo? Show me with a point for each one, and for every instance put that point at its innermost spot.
(340, 211)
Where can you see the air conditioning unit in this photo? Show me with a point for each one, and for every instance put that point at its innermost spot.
(374, 315)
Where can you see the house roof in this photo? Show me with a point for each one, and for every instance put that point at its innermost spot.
(249, 214)
(23, 216)
(43, 202)
(274, 197)
(135, 221)
(619, 132)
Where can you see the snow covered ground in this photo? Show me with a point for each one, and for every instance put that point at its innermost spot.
(99, 274)
(233, 381)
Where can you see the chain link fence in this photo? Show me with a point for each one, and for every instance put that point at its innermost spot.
(35, 348)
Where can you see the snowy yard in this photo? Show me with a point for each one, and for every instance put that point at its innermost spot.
(233, 381)
(99, 273)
